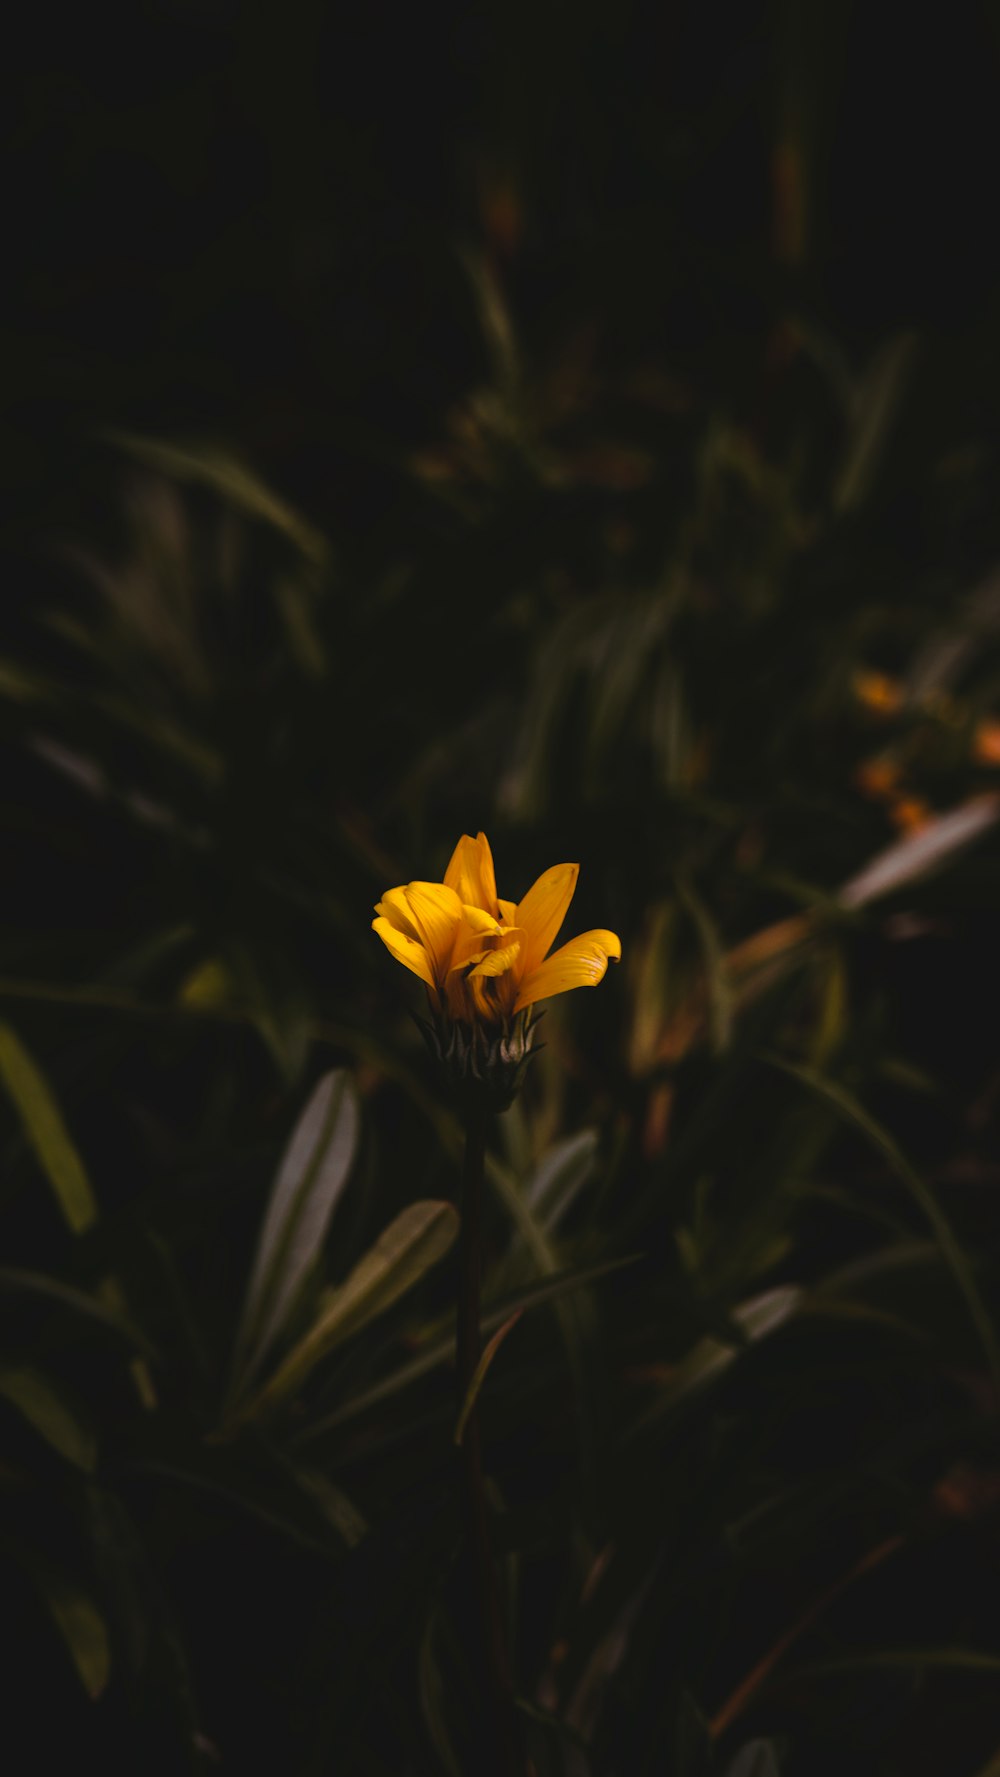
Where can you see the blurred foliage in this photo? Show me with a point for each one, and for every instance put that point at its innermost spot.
(637, 503)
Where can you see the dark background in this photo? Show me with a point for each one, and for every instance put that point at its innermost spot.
(220, 220)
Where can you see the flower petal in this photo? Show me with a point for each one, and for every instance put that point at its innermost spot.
(492, 997)
(543, 910)
(470, 873)
(497, 962)
(478, 921)
(470, 939)
(508, 909)
(406, 950)
(436, 911)
(395, 908)
(580, 963)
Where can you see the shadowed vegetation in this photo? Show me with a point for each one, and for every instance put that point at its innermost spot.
(592, 443)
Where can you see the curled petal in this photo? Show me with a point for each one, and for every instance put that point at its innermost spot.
(406, 950)
(580, 963)
(436, 912)
(543, 910)
(497, 962)
(478, 920)
(395, 908)
(470, 873)
(473, 937)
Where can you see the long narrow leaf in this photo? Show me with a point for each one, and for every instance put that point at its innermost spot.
(443, 1350)
(956, 1659)
(50, 1414)
(75, 1615)
(63, 1295)
(489, 1353)
(311, 1178)
(560, 1176)
(917, 854)
(949, 1246)
(416, 1240)
(46, 1131)
(710, 1358)
(227, 476)
(717, 981)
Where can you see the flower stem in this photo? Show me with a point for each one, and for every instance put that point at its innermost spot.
(500, 1750)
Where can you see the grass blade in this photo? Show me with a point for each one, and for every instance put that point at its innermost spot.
(44, 1127)
(50, 1415)
(479, 1377)
(854, 1113)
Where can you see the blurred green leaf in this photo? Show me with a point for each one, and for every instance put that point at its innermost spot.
(874, 408)
(691, 1745)
(417, 1239)
(22, 685)
(310, 1180)
(222, 471)
(46, 1408)
(337, 1509)
(122, 1566)
(720, 993)
(46, 1131)
(958, 1659)
(77, 1618)
(560, 1176)
(257, 1485)
(433, 1698)
(950, 1248)
(443, 1350)
(50, 1290)
(755, 1319)
(757, 1758)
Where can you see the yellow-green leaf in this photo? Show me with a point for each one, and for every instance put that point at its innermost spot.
(79, 1622)
(50, 1414)
(416, 1240)
(205, 466)
(46, 1131)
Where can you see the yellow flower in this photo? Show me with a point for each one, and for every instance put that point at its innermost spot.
(483, 959)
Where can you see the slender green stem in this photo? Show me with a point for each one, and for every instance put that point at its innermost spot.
(501, 1747)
